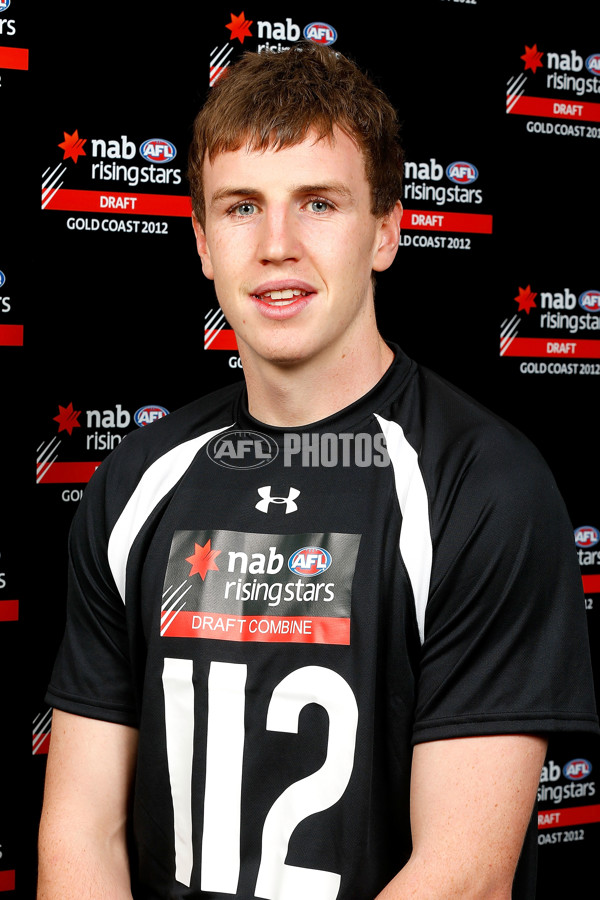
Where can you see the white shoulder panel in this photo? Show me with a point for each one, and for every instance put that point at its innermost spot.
(156, 481)
(415, 533)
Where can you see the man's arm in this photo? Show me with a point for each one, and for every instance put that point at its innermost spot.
(471, 802)
(82, 844)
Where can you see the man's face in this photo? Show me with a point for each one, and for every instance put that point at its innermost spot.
(291, 244)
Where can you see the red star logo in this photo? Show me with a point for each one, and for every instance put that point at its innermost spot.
(73, 146)
(67, 418)
(533, 58)
(239, 27)
(526, 299)
(203, 560)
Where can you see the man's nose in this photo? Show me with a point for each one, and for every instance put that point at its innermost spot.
(279, 238)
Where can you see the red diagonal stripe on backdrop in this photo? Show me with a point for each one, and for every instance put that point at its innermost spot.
(14, 58)
(129, 204)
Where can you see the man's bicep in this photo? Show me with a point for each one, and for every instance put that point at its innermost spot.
(471, 802)
(89, 772)
(82, 842)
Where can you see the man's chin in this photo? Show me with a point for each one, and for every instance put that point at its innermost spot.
(284, 356)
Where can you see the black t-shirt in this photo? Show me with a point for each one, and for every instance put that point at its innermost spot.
(284, 613)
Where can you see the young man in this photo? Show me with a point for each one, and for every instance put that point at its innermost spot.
(311, 615)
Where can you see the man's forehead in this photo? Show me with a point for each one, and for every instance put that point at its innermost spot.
(256, 142)
(313, 152)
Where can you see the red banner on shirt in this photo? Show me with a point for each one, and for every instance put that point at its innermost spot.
(264, 629)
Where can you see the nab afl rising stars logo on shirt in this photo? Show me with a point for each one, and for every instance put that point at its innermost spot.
(233, 586)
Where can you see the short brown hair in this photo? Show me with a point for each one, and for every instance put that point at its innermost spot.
(273, 99)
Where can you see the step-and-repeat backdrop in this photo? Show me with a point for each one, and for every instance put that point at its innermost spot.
(106, 322)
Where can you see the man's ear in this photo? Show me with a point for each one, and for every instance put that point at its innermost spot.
(388, 239)
(202, 247)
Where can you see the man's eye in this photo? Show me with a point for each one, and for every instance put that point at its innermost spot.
(319, 206)
(244, 209)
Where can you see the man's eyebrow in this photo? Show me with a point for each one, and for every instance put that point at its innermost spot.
(231, 192)
(329, 187)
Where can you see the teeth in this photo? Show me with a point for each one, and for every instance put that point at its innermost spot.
(283, 295)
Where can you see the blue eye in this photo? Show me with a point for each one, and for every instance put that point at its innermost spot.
(245, 209)
(319, 206)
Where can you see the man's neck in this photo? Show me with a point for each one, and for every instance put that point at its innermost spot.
(292, 395)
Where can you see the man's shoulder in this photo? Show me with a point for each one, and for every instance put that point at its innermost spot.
(458, 416)
(456, 436)
(465, 439)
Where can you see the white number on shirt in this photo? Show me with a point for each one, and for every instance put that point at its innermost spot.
(225, 748)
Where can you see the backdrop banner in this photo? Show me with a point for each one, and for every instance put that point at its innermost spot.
(107, 323)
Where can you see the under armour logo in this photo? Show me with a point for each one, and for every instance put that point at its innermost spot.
(265, 493)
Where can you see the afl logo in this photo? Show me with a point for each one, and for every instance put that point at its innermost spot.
(577, 769)
(4, 4)
(587, 536)
(242, 450)
(2, 278)
(590, 301)
(155, 150)
(592, 63)
(147, 414)
(462, 172)
(320, 33)
(309, 561)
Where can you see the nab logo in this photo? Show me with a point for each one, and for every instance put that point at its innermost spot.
(577, 769)
(587, 536)
(147, 414)
(592, 63)
(156, 150)
(320, 33)
(462, 173)
(590, 301)
(309, 561)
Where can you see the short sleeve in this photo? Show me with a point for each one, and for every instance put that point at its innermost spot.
(92, 674)
(505, 647)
